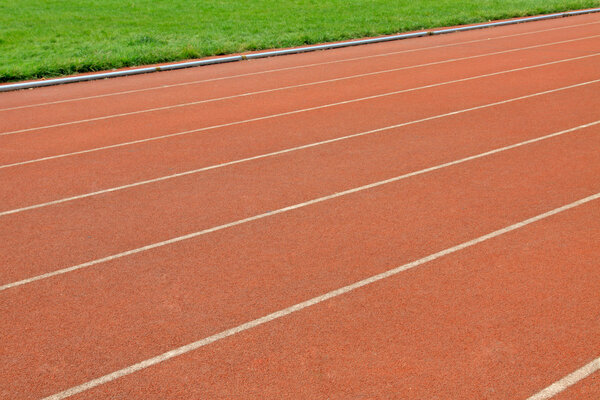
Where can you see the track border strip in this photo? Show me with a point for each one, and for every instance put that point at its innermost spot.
(261, 72)
(273, 53)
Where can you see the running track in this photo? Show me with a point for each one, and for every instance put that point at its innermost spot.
(416, 219)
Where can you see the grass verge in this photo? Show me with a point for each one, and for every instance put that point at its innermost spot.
(47, 38)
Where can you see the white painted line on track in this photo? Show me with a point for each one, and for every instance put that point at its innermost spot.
(235, 96)
(170, 135)
(282, 210)
(292, 149)
(311, 302)
(569, 380)
(290, 68)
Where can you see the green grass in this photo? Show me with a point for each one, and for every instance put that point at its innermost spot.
(45, 38)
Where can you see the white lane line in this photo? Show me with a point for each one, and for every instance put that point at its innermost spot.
(235, 96)
(170, 135)
(567, 381)
(280, 211)
(308, 303)
(291, 68)
(292, 149)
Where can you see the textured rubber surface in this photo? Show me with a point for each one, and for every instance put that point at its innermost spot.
(501, 319)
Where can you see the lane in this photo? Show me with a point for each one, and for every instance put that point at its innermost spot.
(485, 322)
(273, 107)
(102, 107)
(12, 99)
(64, 331)
(57, 179)
(283, 116)
(33, 242)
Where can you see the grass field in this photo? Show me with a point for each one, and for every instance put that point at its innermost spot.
(44, 38)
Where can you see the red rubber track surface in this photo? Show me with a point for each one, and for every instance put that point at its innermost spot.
(470, 326)
(104, 169)
(502, 319)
